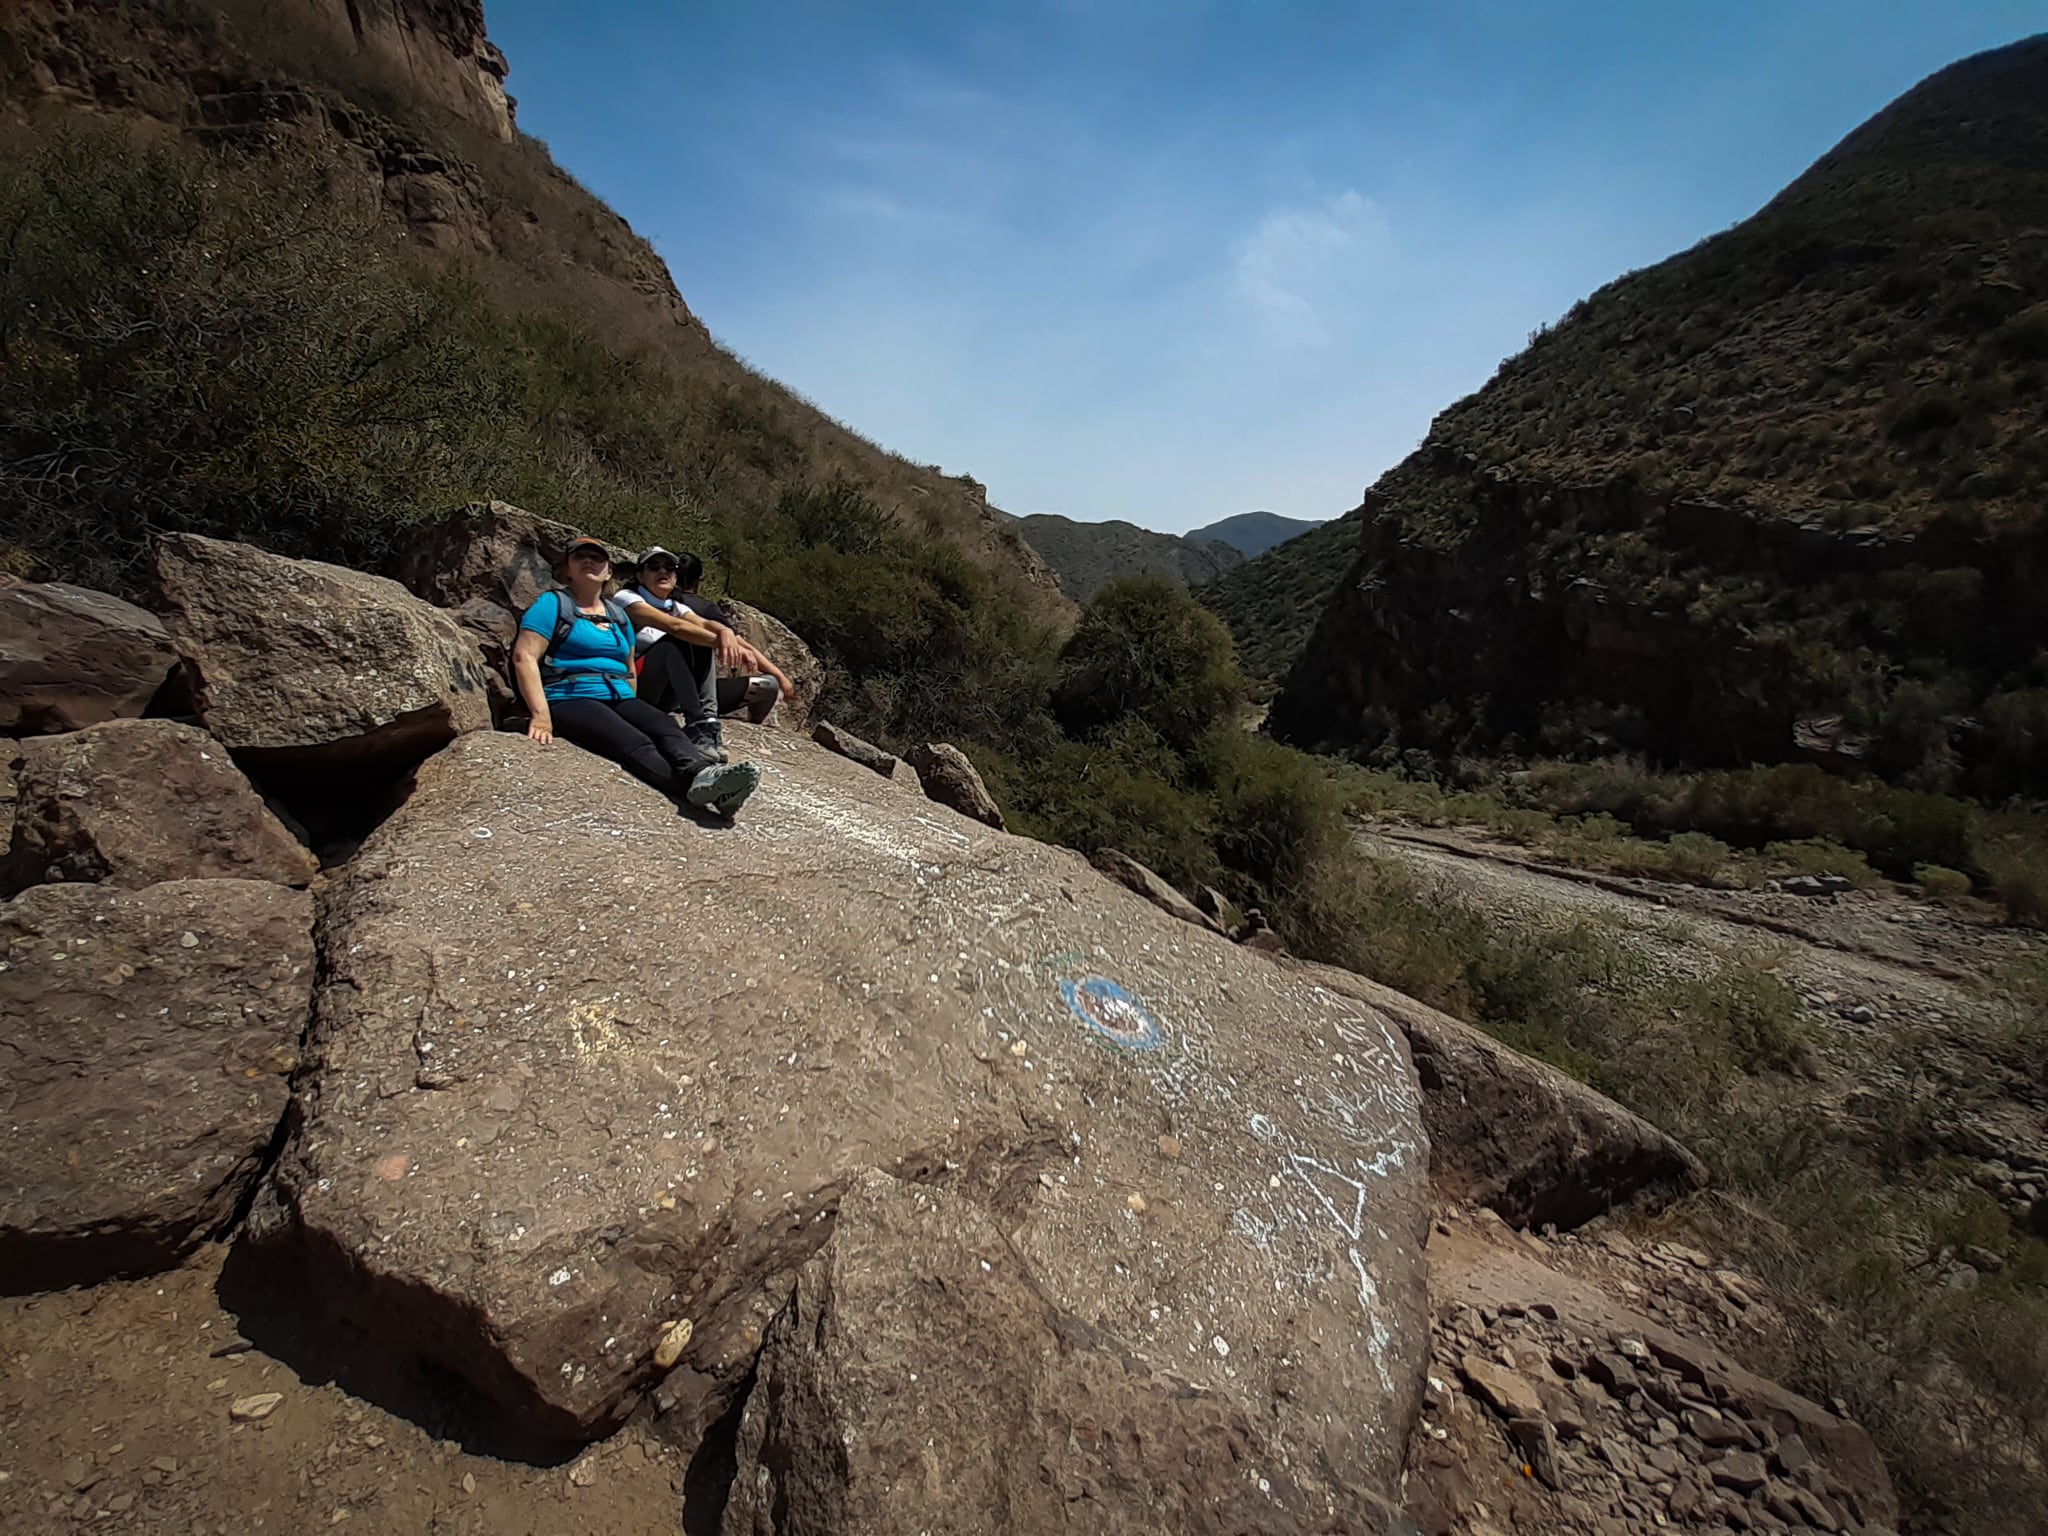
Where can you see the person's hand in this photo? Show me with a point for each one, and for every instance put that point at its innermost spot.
(732, 650)
(541, 729)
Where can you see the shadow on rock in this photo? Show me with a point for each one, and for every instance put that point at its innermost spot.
(269, 1294)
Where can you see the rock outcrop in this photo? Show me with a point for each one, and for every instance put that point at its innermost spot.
(921, 1379)
(71, 657)
(488, 551)
(135, 802)
(303, 668)
(148, 1037)
(951, 779)
(871, 757)
(783, 646)
(1517, 1136)
(554, 1121)
(1133, 876)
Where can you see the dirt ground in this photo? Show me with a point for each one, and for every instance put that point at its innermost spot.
(115, 1416)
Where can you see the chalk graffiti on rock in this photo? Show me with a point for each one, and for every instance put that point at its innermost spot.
(1111, 1014)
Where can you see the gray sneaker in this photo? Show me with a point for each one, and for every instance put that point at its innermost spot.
(723, 788)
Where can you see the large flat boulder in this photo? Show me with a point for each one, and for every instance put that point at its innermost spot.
(560, 1112)
(921, 1379)
(300, 666)
(71, 657)
(135, 802)
(1516, 1135)
(147, 1037)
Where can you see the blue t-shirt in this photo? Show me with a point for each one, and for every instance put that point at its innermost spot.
(595, 660)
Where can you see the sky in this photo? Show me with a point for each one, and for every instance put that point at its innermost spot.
(1169, 260)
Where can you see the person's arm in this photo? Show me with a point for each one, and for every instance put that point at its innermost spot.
(527, 650)
(685, 625)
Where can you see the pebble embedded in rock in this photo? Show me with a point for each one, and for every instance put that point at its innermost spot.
(674, 1339)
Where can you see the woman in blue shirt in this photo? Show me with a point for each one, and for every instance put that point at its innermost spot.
(582, 689)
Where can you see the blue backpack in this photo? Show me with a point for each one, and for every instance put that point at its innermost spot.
(566, 615)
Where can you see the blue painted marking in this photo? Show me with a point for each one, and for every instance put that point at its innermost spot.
(1112, 1014)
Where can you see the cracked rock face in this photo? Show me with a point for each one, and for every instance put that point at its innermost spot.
(71, 657)
(146, 1037)
(589, 1070)
(313, 667)
(920, 1379)
(134, 802)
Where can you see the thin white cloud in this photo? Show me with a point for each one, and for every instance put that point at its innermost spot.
(1294, 270)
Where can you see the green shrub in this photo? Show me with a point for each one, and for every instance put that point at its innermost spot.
(1278, 812)
(1144, 648)
(1941, 884)
(1820, 856)
(2015, 866)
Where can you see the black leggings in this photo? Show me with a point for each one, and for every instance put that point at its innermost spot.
(635, 735)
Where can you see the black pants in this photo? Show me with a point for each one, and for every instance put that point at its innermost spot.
(679, 678)
(673, 676)
(635, 735)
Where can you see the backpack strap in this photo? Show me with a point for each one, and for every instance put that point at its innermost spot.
(566, 615)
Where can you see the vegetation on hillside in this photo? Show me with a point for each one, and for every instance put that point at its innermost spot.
(1086, 557)
(1870, 348)
(1272, 601)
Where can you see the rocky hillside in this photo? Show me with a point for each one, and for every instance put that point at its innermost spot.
(1086, 557)
(1272, 601)
(1793, 474)
(399, 113)
(1253, 533)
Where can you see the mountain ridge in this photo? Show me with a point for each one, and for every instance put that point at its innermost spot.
(1792, 473)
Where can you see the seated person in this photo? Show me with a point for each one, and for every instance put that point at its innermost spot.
(573, 661)
(679, 671)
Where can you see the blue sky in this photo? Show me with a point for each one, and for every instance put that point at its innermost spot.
(1167, 260)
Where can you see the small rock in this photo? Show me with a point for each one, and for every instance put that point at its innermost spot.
(1664, 1459)
(1791, 1455)
(1715, 1432)
(1135, 1203)
(254, 1408)
(1613, 1373)
(1863, 1013)
(1538, 1445)
(1742, 1471)
(1983, 1260)
(120, 1503)
(1506, 1393)
(1632, 1349)
(583, 1473)
(1169, 1146)
(469, 1482)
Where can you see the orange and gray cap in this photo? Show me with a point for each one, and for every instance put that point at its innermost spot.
(585, 541)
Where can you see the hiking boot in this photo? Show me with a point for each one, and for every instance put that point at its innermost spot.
(723, 788)
(708, 739)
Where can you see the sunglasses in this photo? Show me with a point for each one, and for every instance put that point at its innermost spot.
(659, 568)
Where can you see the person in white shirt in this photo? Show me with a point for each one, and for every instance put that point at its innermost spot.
(679, 670)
